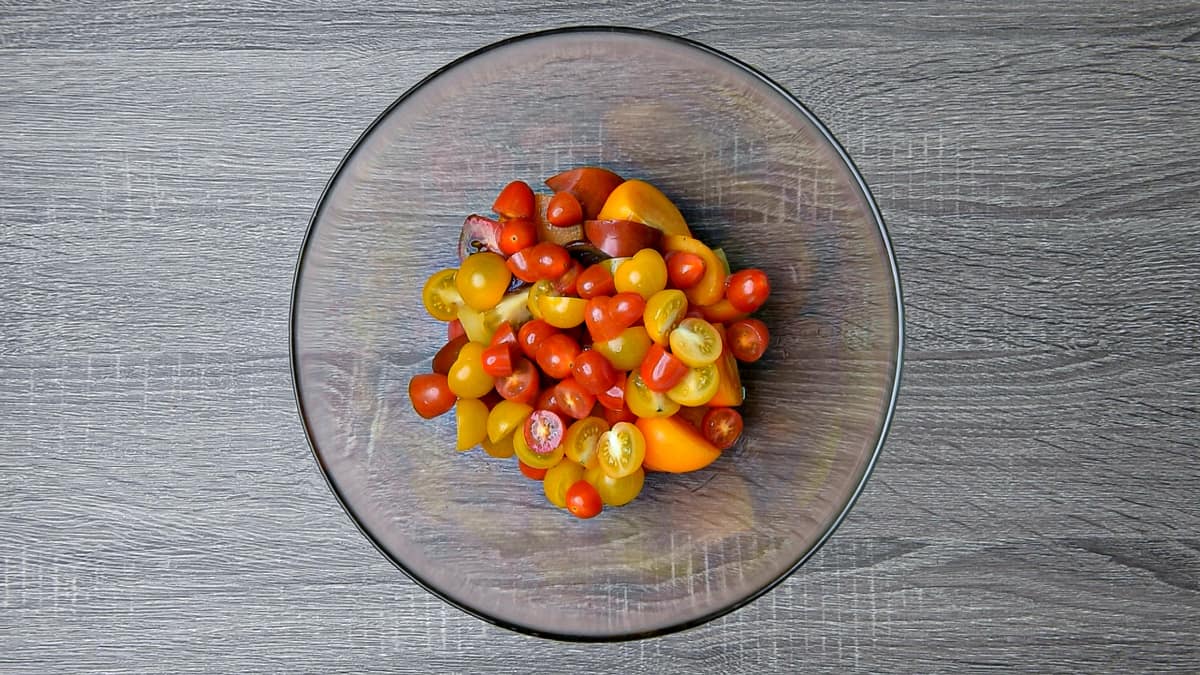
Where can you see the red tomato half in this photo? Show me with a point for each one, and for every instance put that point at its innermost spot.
(748, 339)
(522, 384)
(722, 427)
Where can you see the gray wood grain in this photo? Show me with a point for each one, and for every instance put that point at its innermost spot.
(1035, 508)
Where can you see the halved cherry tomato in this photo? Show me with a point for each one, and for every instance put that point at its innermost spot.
(684, 269)
(613, 398)
(696, 388)
(448, 354)
(748, 339)
(470, 422)
(583, 501)
(621, 450)
(548, 400)
(644, 401)
(430, 395)
(454, 329)
(506, 417)
(661, 370)
(696, 342)
(482, 326)
(627, 350)
(574, 400)
(582, 438)
(622, 414)
(748, 289)
(501, 449)
(640, 201)
(545, 431)
(562, 312)
(540, 289)
(607, 317)
(590, 185)
(536, 460)
(721, 311)
(532, 334)
(729, 391)
(594, 281)
(567, 284)
(482, 280)
(645, 274)
(664, 310)
(467, 378)
(711, 286)
(441, 297)
(556, 355)
(559, 478)
(615, 491)
(564, 210)
(517, 234)
(497, 360)
(593, 371)
(515, 200)
(675, 446)
(529, 471)
(722, 427)
(522, 385)
(504, 335)
(548, 261)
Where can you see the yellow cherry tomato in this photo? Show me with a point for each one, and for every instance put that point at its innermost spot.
(645, 274)
(641, 202)
(531, 458)
(711, 287)
(482, 280)
(611, 264)
(502, 449)
(441, 296)
(559, 479)
(696, 388)
(481, 326)
(466, 378)
(644, 401)
(627, 350)
(471, 422)
(615, 491)
(696, 342)
(505, 417)
(621, 450)
(543, 287)
(582, 438)
(562, 312)
(664, 311)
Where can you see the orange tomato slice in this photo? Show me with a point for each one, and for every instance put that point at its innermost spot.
(675, 446)
(729, 389)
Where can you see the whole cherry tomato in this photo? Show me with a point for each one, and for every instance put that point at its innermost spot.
(684, 269)
(515, 200)
(594, 372)
(517, 234)
(431, 395)
(564, 210)
(583, 501)
(532, 334)
(549, 261)
(556, 355)
(748, 289)
(593, 281)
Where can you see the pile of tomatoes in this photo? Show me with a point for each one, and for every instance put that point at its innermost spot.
(593, 337)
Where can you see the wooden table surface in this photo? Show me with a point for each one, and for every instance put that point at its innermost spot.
(1036, 506)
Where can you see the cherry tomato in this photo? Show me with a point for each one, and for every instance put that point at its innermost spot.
(506, 417)
(548, 401)
(515, 200)
(497, 360)
(548, 261)
(467, 377)
(530, 472)
(622, 414)
(482, 280)
(540, 289)
(593, 371)
(615, 491)
(556, 355)
(607, 317)
(574, 400)
(471, 422)
(567, 284)
(583, 501)
(441, 296)
(644, 401)
(504, 335)
(696, 342)
(748, 289)
(748, 339)
(645, 274)
(559, 478)
(525, 453)
(532, 334)
(564, 210)
(613, 398)
(621, 450)
(721, 312)
(448, 354)
(562, 312)
(517, 234)
(711, 286)
(661, 370)
(582, 438)
(544, 431)
(722, 427)
(675, 446)
(594, 281)
(684, 269)
(627, 350)
(430, 395)
(697, 387)
(454, 329)
(664, 310)
(590, 185)
(522, 385)
(522, 266)
(501, 449)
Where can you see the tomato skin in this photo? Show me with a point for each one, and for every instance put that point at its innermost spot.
(661, 370)
(556, 355)
(613, 398)
(748, 338)
(684, 269)
(520, 386)
(567, 284)
(593, 372)
(564, 210)
(430, 395)
(559, 478)
(548, 261)
(562, 312)
(448, 354)
(532, 334)
(583, 501)
(594, 281)
(505, 335)
(454, 329)
(574, 400)
(467, 377)
(722, 427)
(517, 234)
(506, 417)
(627, 350)
(515, 200)
(748, 289)
(482, 280)
(530, 472)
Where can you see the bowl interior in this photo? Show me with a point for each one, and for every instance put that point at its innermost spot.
(754, 174)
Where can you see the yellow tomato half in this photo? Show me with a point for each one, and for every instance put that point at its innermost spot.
(641, 202)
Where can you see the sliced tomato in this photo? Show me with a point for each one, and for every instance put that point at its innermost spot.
(698, 387)
(684, 269)
(564, 210)
(621, 450)
(590, 185)
(664, 310)
(722, 427)
(722, 312)
(614, 415)
(696, 342)
(644, 401)
(748, 339)
(506, 417)
(454, 329)
(568, 283)
(529, 471)
(711, 286)
(562, 312)
(522, 384)
(448, 354)
(559, 478)
(574, 400)
(498, 361)
(729, 390)
(613, 398)
(582, 439)
(675, 446)
(661, 370)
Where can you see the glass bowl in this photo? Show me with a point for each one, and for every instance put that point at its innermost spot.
(754, 172)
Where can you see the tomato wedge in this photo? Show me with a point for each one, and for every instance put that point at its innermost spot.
(674, 446)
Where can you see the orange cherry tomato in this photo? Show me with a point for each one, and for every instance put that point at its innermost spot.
(684, 269)
(583, 501)
(532, 334)
(748, 289)
(675, 446)
(593, 281)
(515, 200)
(564, 210)
(722, 427)
(430, 395)
(748, 339)
(556, 355)
(517, 234)
(661, 370)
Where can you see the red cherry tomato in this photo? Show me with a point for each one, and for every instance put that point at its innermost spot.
(556, 355)
(530, 472)
(548, 399)
(748, 339)
(564, 210)
(748, 289)
(448, 354)
(583, 500)
(684, 269)
(505, 335)
(454, 328)
(567, 284)
(594, 372)
(497, 360)
(431, 395)
(549, 261)
(613, 398)
(722, 427)
(522, 266)
(522, 384)
(595, 280)
(544, 431)
(532, 334)
(620, 415)
(661, 369)
(517, 234)
(607, 317)
(515, 201)
(574, 400)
